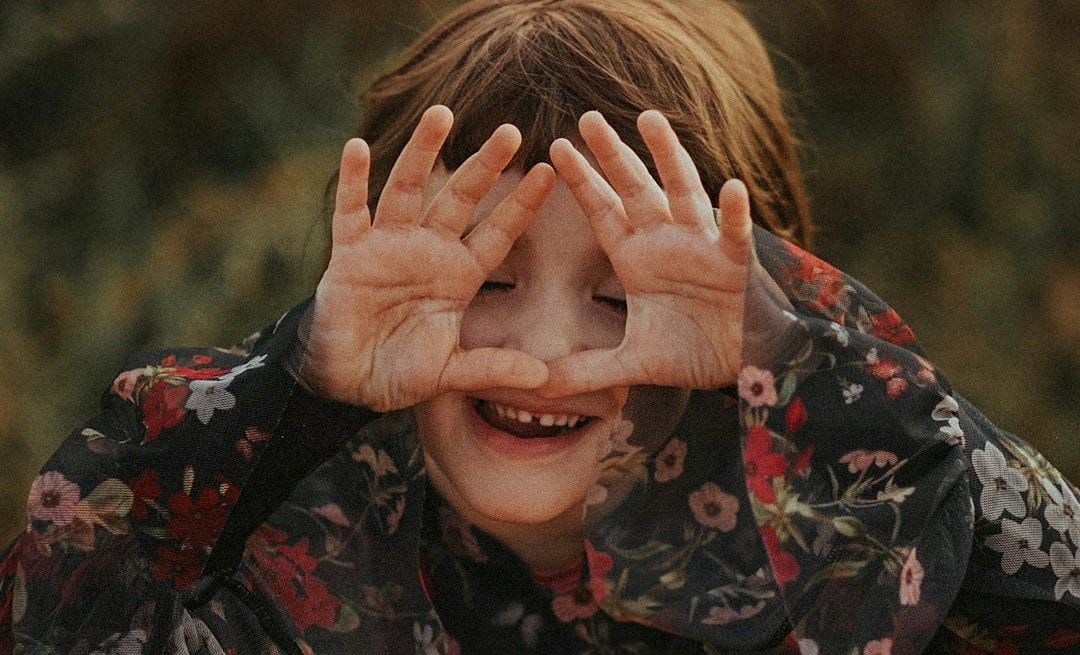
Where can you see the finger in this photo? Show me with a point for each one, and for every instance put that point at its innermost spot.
(642, 198)
(351, 215)
(589, 370)
(492, 238)
(402, 196)
(486, 368)
(736, 225)
(452, 208)
(687, 199)
(593, 194)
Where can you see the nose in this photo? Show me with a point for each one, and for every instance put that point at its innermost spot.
(546, 323)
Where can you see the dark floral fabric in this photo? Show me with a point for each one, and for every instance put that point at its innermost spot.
(840, 499)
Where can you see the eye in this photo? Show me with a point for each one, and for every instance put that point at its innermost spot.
(494, 285)
(618, 304)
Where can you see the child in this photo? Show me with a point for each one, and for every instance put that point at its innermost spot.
(555, 408)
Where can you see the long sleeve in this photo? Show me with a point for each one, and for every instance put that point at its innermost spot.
(144, 505)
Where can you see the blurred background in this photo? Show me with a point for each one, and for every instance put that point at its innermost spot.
(162, 168)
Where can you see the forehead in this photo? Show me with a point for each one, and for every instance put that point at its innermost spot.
(560, 226)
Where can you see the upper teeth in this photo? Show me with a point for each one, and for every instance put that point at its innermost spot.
(547, 420)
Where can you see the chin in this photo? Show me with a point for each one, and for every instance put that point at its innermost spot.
(499, 461)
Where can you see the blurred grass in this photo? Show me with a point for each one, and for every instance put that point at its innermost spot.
(162, 169)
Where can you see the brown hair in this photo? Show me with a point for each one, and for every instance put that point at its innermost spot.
(541, 64)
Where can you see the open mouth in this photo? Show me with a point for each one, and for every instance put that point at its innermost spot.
(526, 425)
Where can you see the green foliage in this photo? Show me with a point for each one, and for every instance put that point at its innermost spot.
(162, 168)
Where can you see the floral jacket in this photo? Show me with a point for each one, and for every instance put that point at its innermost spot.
(840, 500)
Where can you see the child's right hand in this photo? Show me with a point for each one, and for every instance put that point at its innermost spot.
(388, 309)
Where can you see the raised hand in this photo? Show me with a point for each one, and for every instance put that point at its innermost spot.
(684, 274)
(387, 311)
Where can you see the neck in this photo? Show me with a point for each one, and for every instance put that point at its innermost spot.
(547, 547)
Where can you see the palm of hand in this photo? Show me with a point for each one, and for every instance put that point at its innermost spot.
(682, 299)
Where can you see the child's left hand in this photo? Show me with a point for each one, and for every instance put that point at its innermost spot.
(685, 276)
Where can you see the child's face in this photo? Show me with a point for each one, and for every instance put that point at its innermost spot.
(554, 294)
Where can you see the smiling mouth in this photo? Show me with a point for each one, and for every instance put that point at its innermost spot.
(526, 425)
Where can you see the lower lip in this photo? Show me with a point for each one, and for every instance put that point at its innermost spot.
(507, 444)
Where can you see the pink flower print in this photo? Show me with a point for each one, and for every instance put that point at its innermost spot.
(578, 604)
(332, 512)
(713, 507)
(723, 615)
(380, 462)
(459, 536)
(1002, 484)
(757, 386)
(669, 462)
(124, 384)
(1019, 543)
(53, 498)
(878, 647)
(393, 519)
(861, 460)
(911, 577)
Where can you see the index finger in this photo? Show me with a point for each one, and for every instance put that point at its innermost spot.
(402, 196)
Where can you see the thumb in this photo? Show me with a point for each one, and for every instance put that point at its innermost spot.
(485, 368)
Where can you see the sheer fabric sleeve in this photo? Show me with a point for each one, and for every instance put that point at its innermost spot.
(912, 517)
(126, 519)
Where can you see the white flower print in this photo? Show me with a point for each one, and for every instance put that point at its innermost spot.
(424, 634)
(253, 363)
(1064, 516)
(852, 392)
(207, 396)
(1002, 484)
(839, 333)
(53, 498)
(1019, 543)
(1066, 567)
(808, 647)
(946, 409)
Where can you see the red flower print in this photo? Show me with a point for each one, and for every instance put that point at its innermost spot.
(911, 577)
(1063, 639)
(669, 462)
(895, 386)
(795, 415)
(713, 507)
(183, 566)
(600, 564)
(146, 488)
(163, 408)
(197, 523)
(882, 368)
(888, 326)
(200, 373)
(760, 464)
(785, 567)
(802, 462)
(290, 570)
(202, 359)
(169, 360)
(578, 604)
